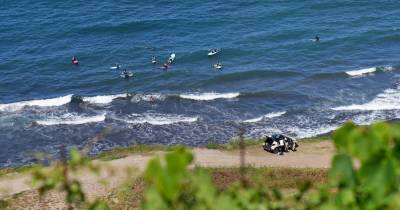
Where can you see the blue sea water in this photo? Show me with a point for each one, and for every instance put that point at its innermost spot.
(275, 78)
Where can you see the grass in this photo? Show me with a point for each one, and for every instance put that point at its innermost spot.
(3, 204)
(121, 152)
(18, 169)
(130, 194)
(282, 178)
(234, 144)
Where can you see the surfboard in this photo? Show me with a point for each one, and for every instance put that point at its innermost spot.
(218, 67)
(171, 58)
(126, 76)
(115, 67)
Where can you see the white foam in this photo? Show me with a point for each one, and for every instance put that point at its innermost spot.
(102, 99)
(387, 68)
(369, 118)
(59, 101)
(312, 132)
(361, 72)
(388, 100)
(270, 115)
(139, 97)
(208, 96)
(158, 119)
(72, 119)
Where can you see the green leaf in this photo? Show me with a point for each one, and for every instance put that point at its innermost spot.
(75, 158)
(342, 172)
(98, 205)
(341, 137)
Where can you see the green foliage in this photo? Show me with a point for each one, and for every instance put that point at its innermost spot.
(98, 205)
(121, 152)
(365, 174)
(172, 186)
(374, 184)
(234, 144)
(18, 169)
(3, 204)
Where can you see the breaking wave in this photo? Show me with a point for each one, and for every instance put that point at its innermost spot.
(361, 72)
(150, 97)
(59, 101)
(388, 100)
(72, 119)
(157, 119)
(270, 115)
(208, 96)
(102, 99)
(106, 99)
(312, 132)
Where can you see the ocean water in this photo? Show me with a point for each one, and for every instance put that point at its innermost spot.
(275, 78)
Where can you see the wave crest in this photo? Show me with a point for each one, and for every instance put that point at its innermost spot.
(361, 72)
(59, 101)
(106, 99)
(366, 71)
(158, 119)
(72, 119)
(208, 96)
(388, 100)
(270, 115)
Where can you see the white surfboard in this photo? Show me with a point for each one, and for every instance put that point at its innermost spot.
(171, 58)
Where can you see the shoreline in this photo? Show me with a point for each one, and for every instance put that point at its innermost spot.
(122, 152)
(313, 154)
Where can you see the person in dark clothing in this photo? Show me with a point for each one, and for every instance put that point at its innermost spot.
(279, 143)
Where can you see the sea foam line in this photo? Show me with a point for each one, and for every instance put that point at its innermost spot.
(388, 100)
(105, 99)
(72, 119)
(208, 96)
(361, 72)
(270, 115)
(158, 119)
(59, 101)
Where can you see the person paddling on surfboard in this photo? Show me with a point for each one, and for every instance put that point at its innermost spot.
(152, 100)
(125, 74)
(171, 58)
(165, 66)
(75, 60)
(317, 38)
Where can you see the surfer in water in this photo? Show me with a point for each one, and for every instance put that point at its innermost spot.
(125, 73)
(317, 38)
(153, 60)
(152, 100)
(74, 60)
(165, 66)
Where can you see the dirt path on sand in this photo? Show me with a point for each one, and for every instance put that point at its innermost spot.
(310, 155)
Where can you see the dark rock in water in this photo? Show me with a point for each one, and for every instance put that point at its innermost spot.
(76, 100)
